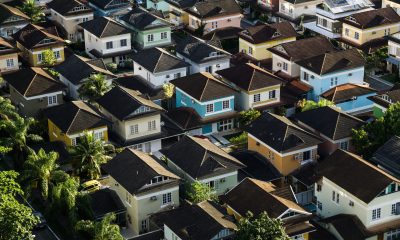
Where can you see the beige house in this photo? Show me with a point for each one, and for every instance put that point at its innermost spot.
(8, 57)
(144, 185)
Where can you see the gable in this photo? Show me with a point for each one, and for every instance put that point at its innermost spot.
(79, 8)
(13, 18)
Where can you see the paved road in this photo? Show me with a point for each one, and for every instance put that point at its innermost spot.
(44, 234)
(378, 84)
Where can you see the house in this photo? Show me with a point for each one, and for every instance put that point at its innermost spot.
(11, 20)
(297, 10)
(344, 204)
(214, 14)
(328, 70)
(393, 4)
(158, 5)
(111, 8)
(286, 145)
(351, 98)
(106, 201)
(144, 185)
(8, 57)
(329, 13)
(67, 122)
(158, 66)
(387, 157)
(68, 14)
(208, 164)
(285, 55)
(135, 120)
(256, 40)
(367, 30)
(107, 39)
(32, 40)
(257, 88)
(148, 30)
(383, 100)
(277, 202)
(205, 220)
(212, 100)
(393, 59)
(177, 14)
(201, 56)
(333, 127)
(33, 89)
(83, 68)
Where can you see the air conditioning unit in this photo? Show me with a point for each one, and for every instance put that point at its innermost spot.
(153, 198)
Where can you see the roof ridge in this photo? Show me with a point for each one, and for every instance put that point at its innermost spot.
(204, 89)
(108, 21)
(73, 120)
(251, 79)
(30, 84)
(158, 60)
(323, 62)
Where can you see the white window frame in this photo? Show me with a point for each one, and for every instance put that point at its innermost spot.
(376, 214)
(257, 97)
(226, 104)
(166, 198)
(109, 45)
(52, 100)
(150, 38)
(134, 129)
(10, 62)
(210, 108)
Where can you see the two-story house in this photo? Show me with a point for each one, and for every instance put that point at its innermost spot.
(256, 40)
(353, 194)
(11, 20)
(68, 14)
(285, 55)
(296, 10)
(328, 70)
(367, 30)
(329, 13)
(83, 68)
(277, 202)
(286, 145)
(393, 60)
(110, 8)
(198, 159)
(158, 66)
(257, 88)
(177, 14)
(8, 57)
(214, 14)
(105, 38)
(136, 121)
(32, 40)
(383, 100)
(69, 121)
(333, 127)
(33, 89)
(148, 30)
(201, 56)
(212, 100)
(144, 185)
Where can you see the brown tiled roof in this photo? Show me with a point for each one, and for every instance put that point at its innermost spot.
(7, 48)
(345, 92)
(393, 96)
(65, 7)
(7, 11)
(373, 18)
(268, 32)
(348, 226)
(31, 36)
(214, 8)
(104, 27)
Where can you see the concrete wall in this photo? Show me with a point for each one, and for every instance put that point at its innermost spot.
(70, 23)
(3, 62)
(365, 35)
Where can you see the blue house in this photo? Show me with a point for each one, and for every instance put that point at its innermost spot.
(209, 101)
(110, 8)
(328, 70)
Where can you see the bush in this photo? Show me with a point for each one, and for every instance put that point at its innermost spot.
(112, 67)
(241, 139)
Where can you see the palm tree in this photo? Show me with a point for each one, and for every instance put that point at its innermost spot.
(64, 196)
(102, 230)
(89, 154)
(41, 168)
(33, 11)
(7, 109)
(95, 87)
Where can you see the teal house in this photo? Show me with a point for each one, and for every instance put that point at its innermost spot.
(159, 5)
(148, 30)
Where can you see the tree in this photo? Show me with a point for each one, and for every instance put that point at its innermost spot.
(41, 168)
(246, 117)
(7, 109)
(306, 105)
(8, 183)
(101, 230)
(376, 59)
(88, 155)
(260, 228)
(197, 192)
(95, 87)
(48, 59)
(168, 91)
(200, 29)
(33, 11)
(64, 196)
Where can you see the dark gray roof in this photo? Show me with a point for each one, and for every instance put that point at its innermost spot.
(33, 81)
(388, 156)
(268, 32)
(206, 159)
(138, 83)
(123, 102)
(348, 226)
(110, 4)
(6, 47)
(75, 117)
(212, 8)
(134, 169)
(392, 95)
(352, 173)
(143, 20)
(105, 201)
(346, 92)
(155, 235)
(332, 122)
(7, 11)
(66, 7)
(104, 27)
(32, 36)
(281, 134)
(158, 60)
(183, 4)
(59, 147)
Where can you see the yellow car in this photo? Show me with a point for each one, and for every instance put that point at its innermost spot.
(90, 186)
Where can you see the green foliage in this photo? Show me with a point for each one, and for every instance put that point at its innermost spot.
(261, 228)
(112, 67)
(64, 196)
(101, 230)
(53, 72)
(200, 29)
(376, 59)
(241, 139)
(306, 105)
(33, 11)
(198, 192)
(49, 59)
(246, 117)
(95, 87)
(8, 184)
(263, 17)
(168, 90)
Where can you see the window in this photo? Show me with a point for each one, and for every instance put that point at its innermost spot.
(225, 125)
(40, 57)
(144, 225)
(134, 129)
(51, 100)
(333, 196)
(351, 203)
(152, 125)
(163, 35)
(346, 31)
(272, 94)
(210, 108)
(396, 209)
(305, 76)
(209, 69)
(150, 37)
(166, 198)
(109, 45)
(9, 33)
(177, 75)
(376, 214)
(214, 25)
(306, 155)
(344, 145)
(57, 54)
(257, 97)
(194, 22)
(250, 50)
(319, 187)
(337, 197)
(98, 135)
(73, 141)
(10, 62)
(319, 205)
(356, 35)
(285, 66)
(128, 197)
(85, 19)
(123, 43)
(225, 104)
(393, 235)
(334, 81)
(283, 7)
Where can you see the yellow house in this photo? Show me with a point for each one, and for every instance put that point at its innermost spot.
(368, 29)
(68, 122)
(393, 4)
(283, 143)
(255, 41)
(33, 40)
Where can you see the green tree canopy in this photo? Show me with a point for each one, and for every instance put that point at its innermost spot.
(246, 117)
(64, 196)
(197, 192)
(33, 11)
(8, 183)
(48, 59)
(306, 105)
(101, 230)
(95, 87)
